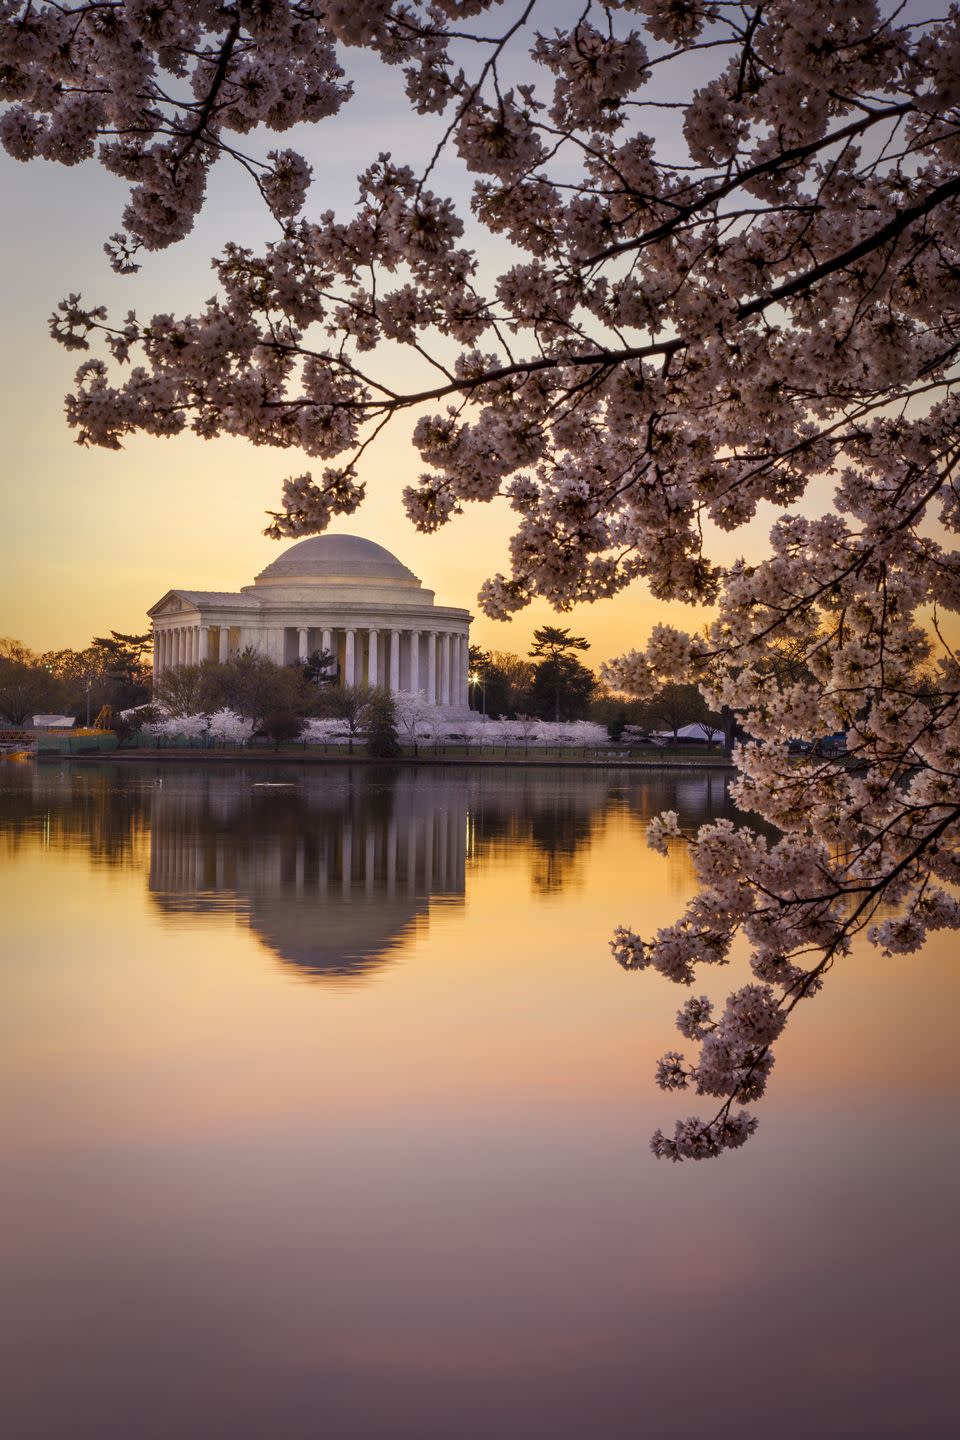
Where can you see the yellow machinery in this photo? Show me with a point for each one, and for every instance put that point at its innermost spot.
(102, 725)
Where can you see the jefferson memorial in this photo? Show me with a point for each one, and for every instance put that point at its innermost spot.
(337, 593)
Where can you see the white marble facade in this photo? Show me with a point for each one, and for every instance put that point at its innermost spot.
(332, 592)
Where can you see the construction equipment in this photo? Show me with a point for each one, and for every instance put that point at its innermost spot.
(104, 720)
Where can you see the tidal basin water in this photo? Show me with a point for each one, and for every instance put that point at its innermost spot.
(326, 1110)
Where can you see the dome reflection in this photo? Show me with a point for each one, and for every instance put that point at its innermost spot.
(330, 872)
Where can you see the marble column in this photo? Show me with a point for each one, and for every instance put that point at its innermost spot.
(465, 671)
(204, 639)
(326, 641)
(394, 661)
(415, 662)
(303, 646)
(223, 648)
(349, 670)
(431, 667)
(373, 659)
(445, 669)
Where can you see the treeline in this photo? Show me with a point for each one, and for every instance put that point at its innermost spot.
(553, 683)
(113, 670)
(550, 683)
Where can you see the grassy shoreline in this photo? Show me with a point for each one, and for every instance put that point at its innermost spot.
(451, 755)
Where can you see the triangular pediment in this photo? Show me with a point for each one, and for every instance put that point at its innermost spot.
(173, 603)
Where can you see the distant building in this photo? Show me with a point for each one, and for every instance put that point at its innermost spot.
(336, 593)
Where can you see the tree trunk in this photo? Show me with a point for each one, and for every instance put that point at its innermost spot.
(729, 725)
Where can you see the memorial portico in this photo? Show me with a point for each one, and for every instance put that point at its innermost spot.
(334, 593)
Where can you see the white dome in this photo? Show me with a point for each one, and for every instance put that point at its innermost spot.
(335, 557)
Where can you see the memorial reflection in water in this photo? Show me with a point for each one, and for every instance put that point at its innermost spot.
(330, 873)
(332, 868)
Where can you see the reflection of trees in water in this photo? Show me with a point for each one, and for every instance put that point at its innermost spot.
(557, 838)
(334, 867)
(698, 796)
(90, 810)
(555, 816)
(552, 817)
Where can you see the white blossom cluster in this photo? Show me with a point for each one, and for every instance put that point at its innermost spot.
(527, 731)
(674, 341)
(223, 726)
(418, 721)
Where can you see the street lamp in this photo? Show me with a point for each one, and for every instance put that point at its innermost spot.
(477, 678)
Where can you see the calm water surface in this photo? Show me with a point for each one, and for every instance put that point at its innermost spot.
(326, 1110)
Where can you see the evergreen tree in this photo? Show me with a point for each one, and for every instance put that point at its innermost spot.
(561, 686)
(380, 725)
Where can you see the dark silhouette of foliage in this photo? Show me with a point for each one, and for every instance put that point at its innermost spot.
(561, 687)
(282, 726)
(380, 725)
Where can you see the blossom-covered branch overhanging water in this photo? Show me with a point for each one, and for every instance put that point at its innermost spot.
(693, 322)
